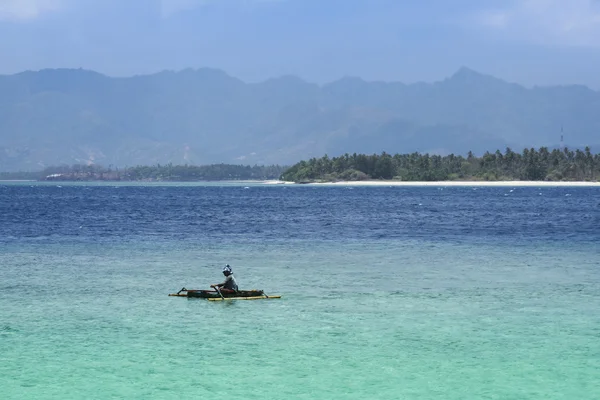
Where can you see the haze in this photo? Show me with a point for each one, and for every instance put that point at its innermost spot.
(530, 42)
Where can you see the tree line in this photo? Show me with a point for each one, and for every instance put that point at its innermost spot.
(167, 172)
(529, 165)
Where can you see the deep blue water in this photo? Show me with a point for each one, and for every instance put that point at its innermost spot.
(282, 214)
(387, 293)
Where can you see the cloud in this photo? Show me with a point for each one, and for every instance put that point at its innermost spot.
(23, 10)
(549, 22)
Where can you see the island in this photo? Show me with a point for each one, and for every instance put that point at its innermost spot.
(166, 172)
(529, 165)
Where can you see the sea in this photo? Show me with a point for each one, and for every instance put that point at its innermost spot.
(387, 292)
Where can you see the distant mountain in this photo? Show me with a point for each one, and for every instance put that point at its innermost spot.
(63, 116)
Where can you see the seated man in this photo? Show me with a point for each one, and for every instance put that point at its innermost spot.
(229, 285)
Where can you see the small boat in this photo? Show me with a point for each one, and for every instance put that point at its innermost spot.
(213, 295)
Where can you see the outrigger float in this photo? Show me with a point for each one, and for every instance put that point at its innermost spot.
(217, 295)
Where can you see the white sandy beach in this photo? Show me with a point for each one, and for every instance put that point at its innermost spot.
(449, 183)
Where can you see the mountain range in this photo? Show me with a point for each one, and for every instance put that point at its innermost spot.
(202, 116)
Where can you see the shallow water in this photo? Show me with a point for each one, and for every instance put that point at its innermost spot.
(408, 293)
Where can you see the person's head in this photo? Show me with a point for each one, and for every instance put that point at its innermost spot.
(227, 270)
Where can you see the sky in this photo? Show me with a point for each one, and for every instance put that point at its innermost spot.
(531, 42)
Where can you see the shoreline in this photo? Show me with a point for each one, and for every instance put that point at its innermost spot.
(458, 183)
(372, 183)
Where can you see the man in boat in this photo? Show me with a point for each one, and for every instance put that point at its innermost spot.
(229, 285)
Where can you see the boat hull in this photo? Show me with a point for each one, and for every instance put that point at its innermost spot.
(209, 294)
(215, 296)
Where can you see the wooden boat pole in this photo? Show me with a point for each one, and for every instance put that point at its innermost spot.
(244, 298)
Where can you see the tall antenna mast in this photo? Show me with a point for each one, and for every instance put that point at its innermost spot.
(562, 143)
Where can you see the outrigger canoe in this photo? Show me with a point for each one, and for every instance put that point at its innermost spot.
(213, 295)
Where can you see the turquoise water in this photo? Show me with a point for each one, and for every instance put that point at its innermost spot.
(431, 312)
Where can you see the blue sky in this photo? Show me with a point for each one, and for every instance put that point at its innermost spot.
(525, 41)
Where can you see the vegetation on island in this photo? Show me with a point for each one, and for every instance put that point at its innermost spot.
(20, 176)
(529, 165)
(168, 172)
